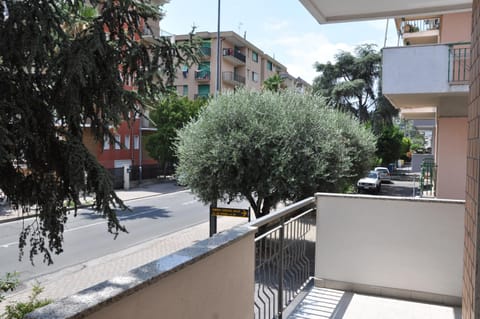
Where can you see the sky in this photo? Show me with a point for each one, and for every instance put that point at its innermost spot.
(283, 29)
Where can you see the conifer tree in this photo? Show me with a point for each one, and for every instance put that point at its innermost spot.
(63, 67)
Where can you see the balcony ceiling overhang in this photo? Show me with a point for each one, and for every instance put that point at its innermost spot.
(327, 11)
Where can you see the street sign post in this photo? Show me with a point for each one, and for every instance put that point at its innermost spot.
(224, 211)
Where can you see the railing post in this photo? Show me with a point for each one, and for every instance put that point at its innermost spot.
(281, 271)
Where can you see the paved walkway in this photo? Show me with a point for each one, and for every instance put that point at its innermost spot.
(73, 279)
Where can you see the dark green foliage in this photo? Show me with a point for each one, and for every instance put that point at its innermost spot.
(389, 144)
(349, 83)
(170, 114)
(270, 147)
(273, 83)
(353, 84)
(60, 71)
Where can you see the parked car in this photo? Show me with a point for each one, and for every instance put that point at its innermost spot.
(384, 174)
(370, 183)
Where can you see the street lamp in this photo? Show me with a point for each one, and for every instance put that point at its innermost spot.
(217, 88)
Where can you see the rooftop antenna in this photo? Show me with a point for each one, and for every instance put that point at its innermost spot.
(245, 34)
(240, 24)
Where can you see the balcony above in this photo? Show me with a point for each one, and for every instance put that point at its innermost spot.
(233, 78)
(419, 31)
(235, 57)
(423, 76)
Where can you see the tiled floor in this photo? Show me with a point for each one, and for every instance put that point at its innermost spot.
(322, 303)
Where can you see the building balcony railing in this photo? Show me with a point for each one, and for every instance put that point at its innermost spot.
(420, 31)
(201, 96)
(234, 56)
(459, 63)
(233, 78)
(202, 75)
(420, 25)
(415, 76)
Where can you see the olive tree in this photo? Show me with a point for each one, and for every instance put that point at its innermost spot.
(269, 147)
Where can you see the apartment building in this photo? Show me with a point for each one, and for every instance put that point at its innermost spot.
(129, 148)
(242, 64)
(427, 77)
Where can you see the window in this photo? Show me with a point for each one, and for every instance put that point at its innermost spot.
(117, 142)
(127, 142)
(136, 142)
(254, 76)
(106, 143)
(269, 66)
(255, 56)
(185, 90)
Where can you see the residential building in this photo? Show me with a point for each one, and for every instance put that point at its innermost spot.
(242, 64)
(129, 148)
(428, 78)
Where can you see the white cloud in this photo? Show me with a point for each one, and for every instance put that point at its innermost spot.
(303, 50)
(273, 25)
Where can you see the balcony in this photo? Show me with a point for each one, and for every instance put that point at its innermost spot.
(233, 78)
(420, 31)
(202, 75)
(234, 56)
(205, 53)
(421, 76)
(355, 249)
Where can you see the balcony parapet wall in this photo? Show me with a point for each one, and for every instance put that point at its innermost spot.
(397, 247)
(211, 279)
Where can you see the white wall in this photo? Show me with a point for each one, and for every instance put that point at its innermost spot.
(416, 70)
(399, 243)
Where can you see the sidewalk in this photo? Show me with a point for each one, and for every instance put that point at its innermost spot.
(73, 279)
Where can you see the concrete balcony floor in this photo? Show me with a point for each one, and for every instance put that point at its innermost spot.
(322, 303)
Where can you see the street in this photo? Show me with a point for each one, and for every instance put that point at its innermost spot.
(86, 235)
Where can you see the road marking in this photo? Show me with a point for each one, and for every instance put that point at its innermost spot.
(9, 244)
(190, 202)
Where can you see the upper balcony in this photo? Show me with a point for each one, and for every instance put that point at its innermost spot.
(350, 245)
(420, 76)
(236, 57)
(419, 31)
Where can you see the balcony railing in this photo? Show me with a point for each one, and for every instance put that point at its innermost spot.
(202, 75)
(232, 77)
(459, 62)
(205, 52)
(428, 178)
(411, 26)
(229, 52)
(284, 257)
(201, 96)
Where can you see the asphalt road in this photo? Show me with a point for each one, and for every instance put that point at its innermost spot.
(86, 235)
(400, 188)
